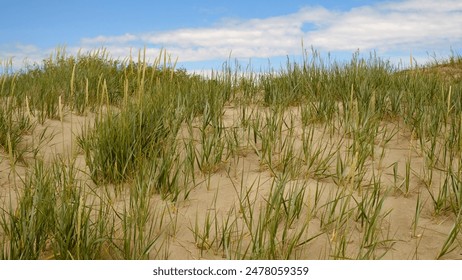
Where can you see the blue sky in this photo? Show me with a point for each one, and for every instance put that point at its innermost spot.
(202, 34)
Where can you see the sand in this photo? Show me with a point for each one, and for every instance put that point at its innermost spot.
(217, 194)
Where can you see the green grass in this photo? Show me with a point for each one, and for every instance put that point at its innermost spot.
(315, 152)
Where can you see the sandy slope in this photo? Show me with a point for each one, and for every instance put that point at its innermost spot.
(218, 194)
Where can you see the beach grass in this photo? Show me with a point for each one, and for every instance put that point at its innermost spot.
(320, 159)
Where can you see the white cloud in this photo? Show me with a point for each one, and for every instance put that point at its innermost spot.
(387, 27)
(252, 38)
(103, 40)
(21, 55)
(419, 5)
(394, 26)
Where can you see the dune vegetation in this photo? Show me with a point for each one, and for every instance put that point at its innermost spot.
(135, 159)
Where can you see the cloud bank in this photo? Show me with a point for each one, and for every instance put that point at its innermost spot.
(387, 27)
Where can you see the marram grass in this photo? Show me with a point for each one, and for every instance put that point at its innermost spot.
(306, 162)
